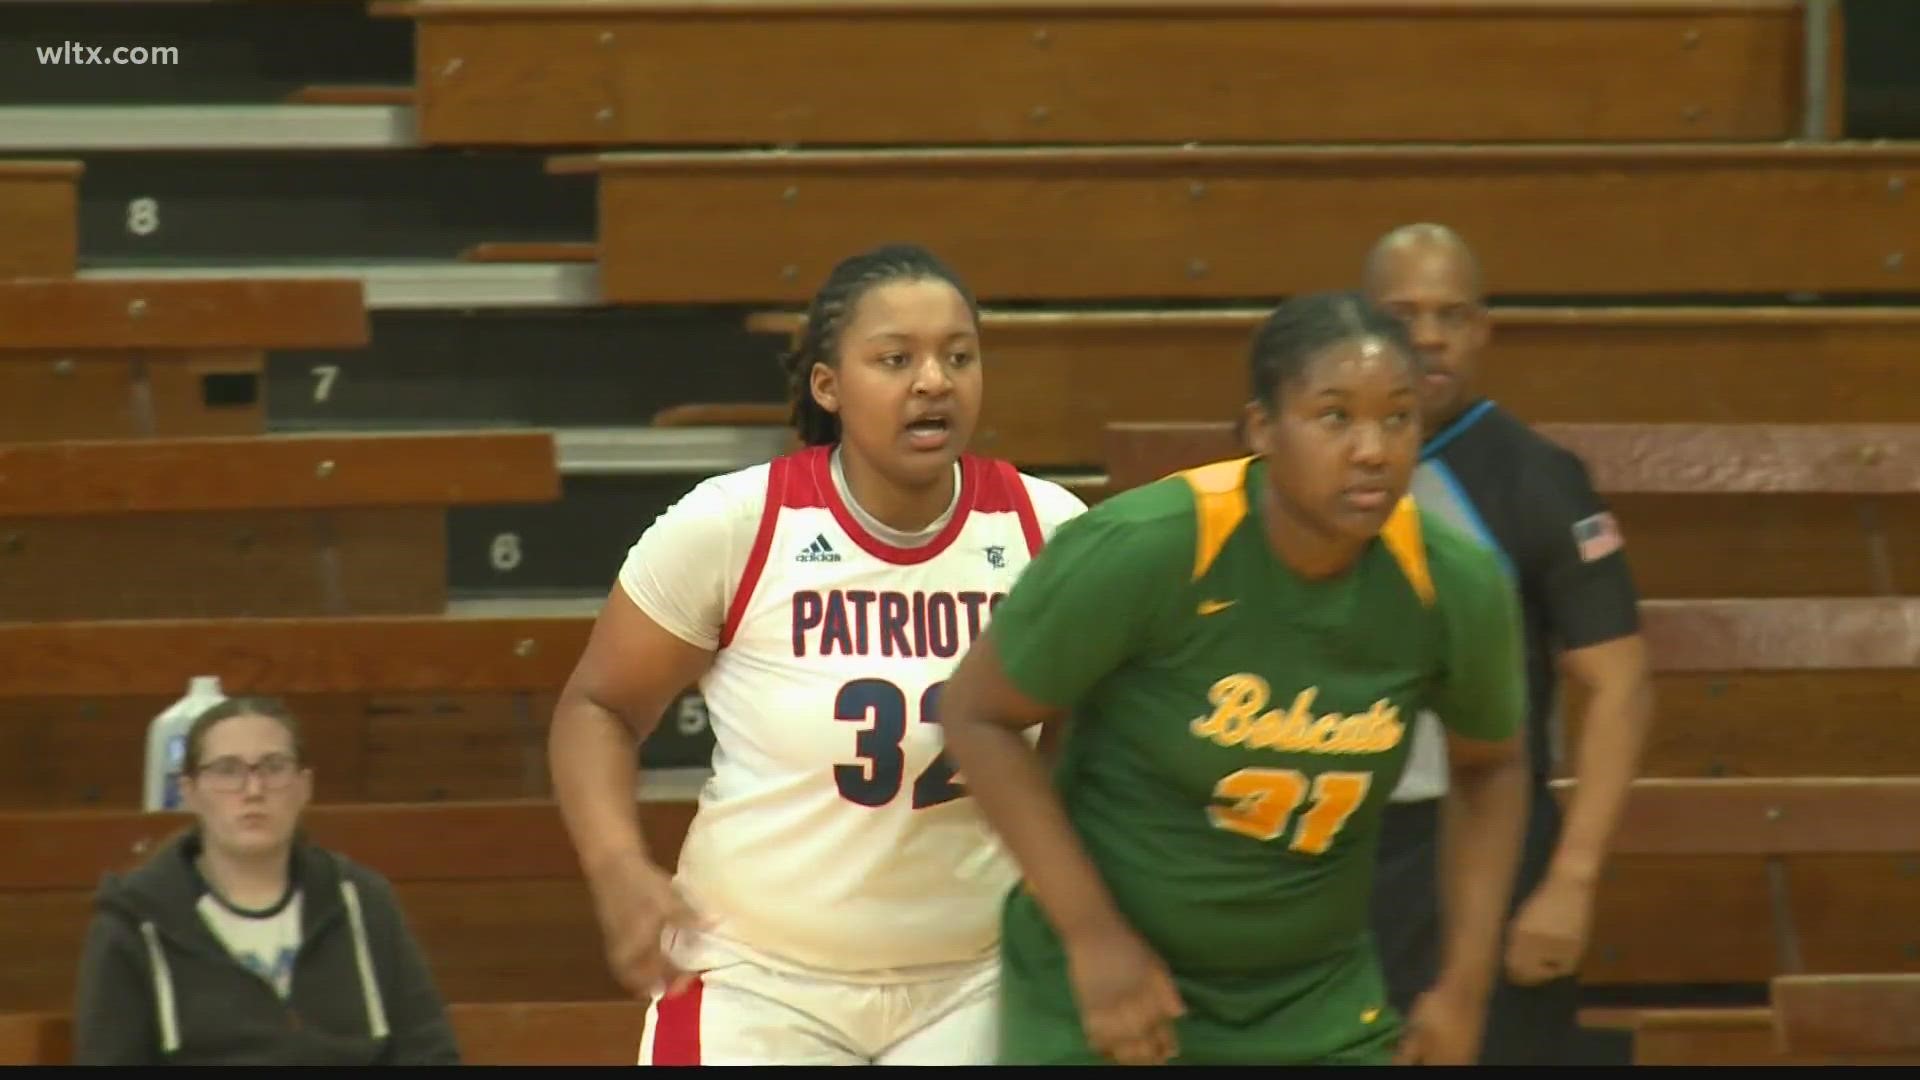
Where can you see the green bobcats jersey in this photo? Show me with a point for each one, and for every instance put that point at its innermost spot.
(1235, 728)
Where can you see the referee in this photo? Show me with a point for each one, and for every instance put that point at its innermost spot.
(1530, 500)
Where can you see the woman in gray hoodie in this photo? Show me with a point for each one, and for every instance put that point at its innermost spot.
(240, 942)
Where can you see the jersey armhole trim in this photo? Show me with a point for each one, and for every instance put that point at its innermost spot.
(1220, 504)
(1023, 506)
(1402, 536)
(762, 543)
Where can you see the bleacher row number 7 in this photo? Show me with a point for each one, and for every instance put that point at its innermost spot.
(324, 376)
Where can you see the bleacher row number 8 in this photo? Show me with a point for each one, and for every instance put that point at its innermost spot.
(143, 216)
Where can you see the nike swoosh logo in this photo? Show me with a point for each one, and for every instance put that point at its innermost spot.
(1214, 607)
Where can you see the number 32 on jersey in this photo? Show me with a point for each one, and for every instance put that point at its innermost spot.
(875, 782)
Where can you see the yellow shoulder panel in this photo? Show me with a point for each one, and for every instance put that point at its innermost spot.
(1220, 495)
(1402, 535)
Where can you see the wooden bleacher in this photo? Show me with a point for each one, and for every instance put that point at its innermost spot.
(479, 647)
(449, 705)
(88, 359)
(134, 436)
(1870, 1017)
(39, 216)
(1633, 154)
(167, 314)
(248, 525)
(1739, 880)
(487, 1032)
(1060, 376)
(1784, 882)
(76, 478)
(1110, 224)
(1711, 510)
(1067, 72)
(491, 890)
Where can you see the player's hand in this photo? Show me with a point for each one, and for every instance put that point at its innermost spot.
(1549, 935)
(1127, 998)
(1444, 1027)
(636, 901)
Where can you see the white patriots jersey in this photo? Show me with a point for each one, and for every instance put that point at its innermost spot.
(834, 833)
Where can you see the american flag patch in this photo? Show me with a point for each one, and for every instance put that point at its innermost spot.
(1597, 537)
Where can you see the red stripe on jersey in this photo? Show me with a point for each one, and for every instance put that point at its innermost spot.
(676, 1026)
(816, 462)
(809, 479)
(777, 486)
(1013, 491)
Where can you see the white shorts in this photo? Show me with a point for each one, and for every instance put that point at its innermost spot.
(744, 1013)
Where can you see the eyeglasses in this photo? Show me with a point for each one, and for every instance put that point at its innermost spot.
(229, 774)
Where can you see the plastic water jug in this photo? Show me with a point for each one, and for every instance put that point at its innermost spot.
(167, 742)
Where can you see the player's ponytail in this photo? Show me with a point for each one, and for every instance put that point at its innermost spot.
(1303, 326)
(827, 316)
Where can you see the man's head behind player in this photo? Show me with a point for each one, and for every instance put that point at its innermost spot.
(888, 366)
(1427, 277)
(1336, 412)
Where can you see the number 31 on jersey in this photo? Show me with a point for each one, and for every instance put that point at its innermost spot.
(1263, 801)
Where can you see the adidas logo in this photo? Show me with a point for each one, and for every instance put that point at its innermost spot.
(818, 551)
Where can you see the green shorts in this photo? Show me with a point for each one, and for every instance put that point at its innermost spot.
(1333, 1011)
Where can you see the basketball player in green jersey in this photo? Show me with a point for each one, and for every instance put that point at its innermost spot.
(1236, 654)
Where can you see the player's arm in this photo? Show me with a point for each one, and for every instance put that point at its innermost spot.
(1078, 612)
(1483, 816)
(654, 638)
(1054, 505)
(1577, 564)
(627, 677)
(983, 714)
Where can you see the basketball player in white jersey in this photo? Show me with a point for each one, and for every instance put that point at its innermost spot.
(837, 899)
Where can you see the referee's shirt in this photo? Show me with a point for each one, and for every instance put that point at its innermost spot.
(1531, 501)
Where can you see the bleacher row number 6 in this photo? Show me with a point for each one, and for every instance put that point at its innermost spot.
(505, 553)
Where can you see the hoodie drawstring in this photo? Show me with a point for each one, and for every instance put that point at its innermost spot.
(370, 987)
(168, 1010)
(162, 990)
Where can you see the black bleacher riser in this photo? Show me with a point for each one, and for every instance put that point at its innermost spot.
(276, 205)
(572, 547)
(674, 746)
(602, 367)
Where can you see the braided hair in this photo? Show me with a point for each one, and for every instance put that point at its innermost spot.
(1304, 325)
(827, 318)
